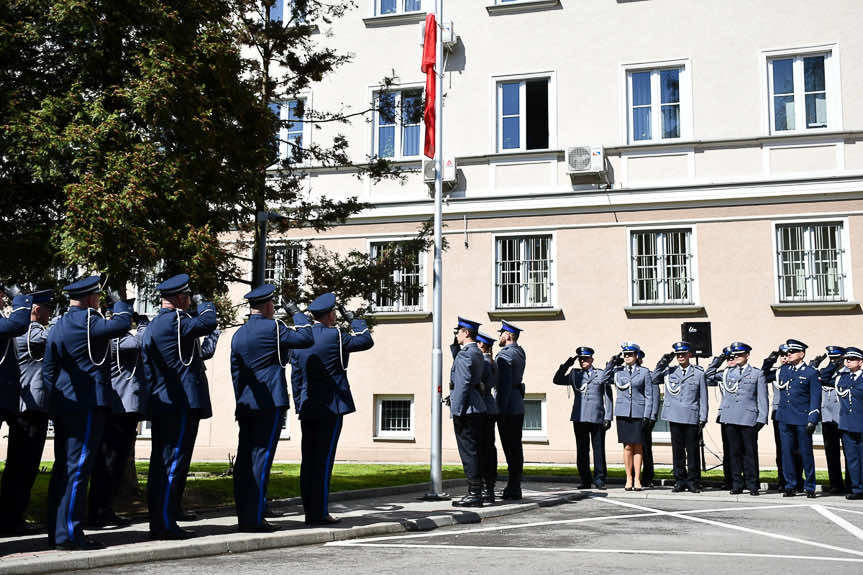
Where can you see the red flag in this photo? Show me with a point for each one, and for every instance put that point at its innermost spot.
(427, 67)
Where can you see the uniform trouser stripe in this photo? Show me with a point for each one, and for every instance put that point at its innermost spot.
(328, 469)
(70, 525)
(262, 484)
(172, 471)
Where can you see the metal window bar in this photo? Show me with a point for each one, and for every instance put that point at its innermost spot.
(810, 263)
(523, 272)
(395, 415)
(283, 264)
(661, 268)
(409, 277)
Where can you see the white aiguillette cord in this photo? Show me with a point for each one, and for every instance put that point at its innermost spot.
(29, 351)
(119, 368)
(180, 344)
(279, 343)
(89, 348)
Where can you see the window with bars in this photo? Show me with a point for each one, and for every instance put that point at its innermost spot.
(398, 128)
(394, 416)
(523, 274)
(662, 270)
(799, 92)
(810, 262)
(535, 419)
(145, 428)
(409, 278)
(284, 263)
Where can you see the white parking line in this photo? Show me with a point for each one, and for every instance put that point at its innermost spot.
(844, 524)
(735, 527)
(593, 550)
(834, 508)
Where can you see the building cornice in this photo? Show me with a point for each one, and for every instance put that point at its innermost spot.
(522, 6)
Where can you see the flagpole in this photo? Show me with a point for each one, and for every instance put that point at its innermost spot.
(436, 482)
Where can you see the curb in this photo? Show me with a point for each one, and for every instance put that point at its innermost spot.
(243, 543)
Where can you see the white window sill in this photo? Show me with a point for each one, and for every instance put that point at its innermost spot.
(816, 306)
(537, 440)
(539, 153)
(397, 316)
(524, 312)
(394, 19)
(395, 438)
(522, 6)
(664, 309)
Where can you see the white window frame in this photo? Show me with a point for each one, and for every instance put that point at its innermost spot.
(541, 434)
(277, 244)
(832, 86)
(284, 148)
(686, 107)
(374, 8)
(408, 435)
(693, 261)
(552, 275)
(397, 143)
(496, 126)
(146, 428)
(287, 6)
(660, 436)
(422, 276)
(847, 288)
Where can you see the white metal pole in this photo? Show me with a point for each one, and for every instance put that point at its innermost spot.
(436, 483)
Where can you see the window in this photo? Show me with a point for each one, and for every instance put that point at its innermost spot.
(394, 416)
(147, 300)
(409, 277)
(145, 428)
(292, 128)
(523, 115)
(386, 7)
(800, 92)
(810, 262)
(398, 127)
(662, 267)
(535, 417)
(657, 103)
(285, 431)
(284, 263)
(283, 9)
(49, 432)
(523, 272)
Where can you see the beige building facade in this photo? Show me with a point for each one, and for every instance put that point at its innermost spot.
(722, 182)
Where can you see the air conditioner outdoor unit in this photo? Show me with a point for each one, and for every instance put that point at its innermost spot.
(447, 32)
(450, 176)
(585, 160)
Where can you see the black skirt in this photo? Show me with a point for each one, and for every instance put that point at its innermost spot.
(629, 430)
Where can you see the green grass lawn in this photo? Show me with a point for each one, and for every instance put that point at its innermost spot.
(209, 486)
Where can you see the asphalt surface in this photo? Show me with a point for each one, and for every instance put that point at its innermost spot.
(600, 532)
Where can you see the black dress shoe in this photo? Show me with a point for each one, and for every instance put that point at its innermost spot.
(328, 520)
(789, 493)
(600, 486)
(264, 527)
(83, 544)
(854, 496)
(109, 519)
(694, 489)
(736, 491)
(583, 485)
(810, 495)
(175, 535)
(754, 492)
(185, 515)
(270, 514)
(678, 487)
(511, 494)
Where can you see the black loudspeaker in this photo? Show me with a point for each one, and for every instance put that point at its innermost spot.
(697, 334)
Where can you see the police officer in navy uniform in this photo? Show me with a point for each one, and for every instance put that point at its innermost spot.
(744, 412)
(685, 408)
(633, 407)
(179, 399)
(10, 328)
(260, 350)
(488, 453)
(467, 407)
(849, 388)
(128, 406)
(770, 374)
(510, 362)
(322, 397)
(591, 414)
(28, 428)
(830, 416)
(798, 413)
(77, 378)
(648, 471)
